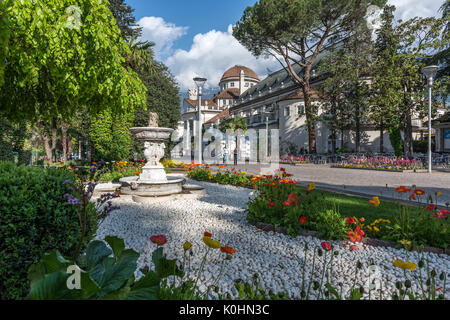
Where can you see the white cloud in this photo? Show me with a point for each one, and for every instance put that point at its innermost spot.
(210, 55)
(407, 9)
(162, 33)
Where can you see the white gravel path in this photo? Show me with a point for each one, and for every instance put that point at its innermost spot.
(275, 257)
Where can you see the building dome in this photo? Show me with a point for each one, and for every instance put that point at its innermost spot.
(235, 71)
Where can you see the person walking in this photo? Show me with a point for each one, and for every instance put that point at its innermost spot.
(225, 154)
(236, 154)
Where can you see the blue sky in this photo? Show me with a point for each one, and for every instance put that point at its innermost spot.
(194, 37)
(200, 16)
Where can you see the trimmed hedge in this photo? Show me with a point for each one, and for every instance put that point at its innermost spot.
(34, 218)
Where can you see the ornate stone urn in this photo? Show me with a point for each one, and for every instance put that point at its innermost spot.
(153, 180)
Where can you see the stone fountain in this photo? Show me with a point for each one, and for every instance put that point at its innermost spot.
(153, 181)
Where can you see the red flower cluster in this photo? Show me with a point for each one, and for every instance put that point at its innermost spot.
(292, 200)
(326, 246)
(355, 235)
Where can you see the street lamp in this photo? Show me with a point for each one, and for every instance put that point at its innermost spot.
(429, 72)
(200, 82)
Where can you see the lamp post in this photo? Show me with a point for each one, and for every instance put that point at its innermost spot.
(429, 72)
(200, 82)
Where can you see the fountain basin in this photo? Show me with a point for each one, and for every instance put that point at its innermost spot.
(134, 186)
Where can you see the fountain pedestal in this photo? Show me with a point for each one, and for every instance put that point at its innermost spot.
(153, 181)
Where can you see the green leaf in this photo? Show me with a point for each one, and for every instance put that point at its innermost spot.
(95, 253)
(163, 266)
(116, 244)
(333, 291)
(88, 286)
(111, 276)
(36, 272)
(146, 288)
(355, 295)
(54, 261)
(53, 287)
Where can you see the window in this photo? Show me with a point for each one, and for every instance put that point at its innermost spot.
(232, 85)
(247, 84)
(287, 111)
(300, 110)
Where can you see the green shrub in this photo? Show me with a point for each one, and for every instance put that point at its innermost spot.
(35, 218)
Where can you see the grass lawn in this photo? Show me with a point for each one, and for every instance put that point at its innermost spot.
(356, 206)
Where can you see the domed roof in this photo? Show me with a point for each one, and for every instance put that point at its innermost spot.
(235, 71)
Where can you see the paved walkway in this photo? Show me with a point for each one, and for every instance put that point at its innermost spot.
(364, 182)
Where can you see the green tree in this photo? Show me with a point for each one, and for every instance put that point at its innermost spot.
(386, 89)
(124, 16)
(4, 35)
(162, 98)
(110, 136)
(294, 32)
(64, 54)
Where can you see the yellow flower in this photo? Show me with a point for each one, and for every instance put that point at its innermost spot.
(187, 245)
(312, 186)
(376, 229)
(213, 244)
(408, 265)
(405, 242)
(375, 201)
(369, 227)
(439, 193)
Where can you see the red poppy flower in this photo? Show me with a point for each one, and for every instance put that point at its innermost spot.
(419, 192)
(227, 249)
(271, 204)
(303, 220)
(430, 207)
(350, 220)
(207, 234)
(402, 189)
(412, 197)
(326, 246)
(282, 169)
(159, 239)
(442, 214)
(359, 231)
(353, 236)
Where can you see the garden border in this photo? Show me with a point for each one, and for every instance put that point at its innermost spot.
(384, 170)
(369, 241)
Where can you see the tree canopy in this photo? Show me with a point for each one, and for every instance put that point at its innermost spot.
(64, 54)
(295, 31)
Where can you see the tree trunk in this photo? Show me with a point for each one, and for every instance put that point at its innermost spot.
(381, 138)
(357, 131)
(70, 148)
(64, 139)
(45, 139)
(54, 137)
(309, 119)
(408, 145)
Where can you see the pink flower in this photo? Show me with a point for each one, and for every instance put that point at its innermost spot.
(350, 220)
(431, 207)
(326, 246)
(159, 239)
(442, 214)
(362, 220)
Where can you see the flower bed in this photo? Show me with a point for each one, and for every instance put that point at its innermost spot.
(287, 159)
(279, 201)
(381, 163)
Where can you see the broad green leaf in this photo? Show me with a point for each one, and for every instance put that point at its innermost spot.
(36, 272)
(54, 261)
(117, 245)
(96, 252)
(53, 287)
(88, 286)
(146, 288)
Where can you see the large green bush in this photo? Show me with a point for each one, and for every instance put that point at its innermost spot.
(35, 218)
